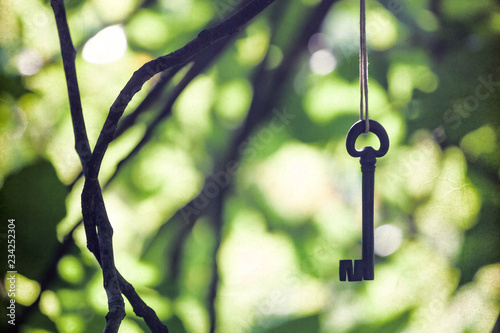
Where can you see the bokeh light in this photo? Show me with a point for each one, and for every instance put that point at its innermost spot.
(272, 109)
(322, 62)
(108, 45)
(29, 62)
(388, 239)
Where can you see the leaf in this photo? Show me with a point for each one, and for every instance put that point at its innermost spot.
(34, 197)
(393, 325)
(306, 324)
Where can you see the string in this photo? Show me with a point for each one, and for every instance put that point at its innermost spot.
(363, 68)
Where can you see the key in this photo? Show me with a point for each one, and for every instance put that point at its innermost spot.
(364, 269)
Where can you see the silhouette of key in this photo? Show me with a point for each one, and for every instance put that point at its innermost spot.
(363, 269)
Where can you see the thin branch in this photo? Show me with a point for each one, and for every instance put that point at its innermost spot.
(198, 67)
(92, 202)
(141, 309)
(94, 214)
(262, 103)
(152, 96)
(93, 207)
(144, 106)
(227, 28)
(68, 54)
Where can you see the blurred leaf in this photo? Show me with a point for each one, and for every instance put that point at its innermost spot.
(12, 85)
(174, 324)
(35, 198)
(395, 325)
(300, 325)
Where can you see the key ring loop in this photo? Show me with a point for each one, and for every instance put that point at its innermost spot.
(357, 129)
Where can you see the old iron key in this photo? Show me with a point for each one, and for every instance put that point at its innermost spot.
(363, 269)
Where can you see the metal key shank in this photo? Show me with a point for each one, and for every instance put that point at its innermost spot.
(364, 269)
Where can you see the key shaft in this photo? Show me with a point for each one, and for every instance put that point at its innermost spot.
(367, 162)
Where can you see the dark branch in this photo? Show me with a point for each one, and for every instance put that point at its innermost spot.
(93, 207)
(206, 38)
(94, 214)
(147, 102)
(115, 300)
(68, 53)
(198, 67)
(141, 309)
(262, 104)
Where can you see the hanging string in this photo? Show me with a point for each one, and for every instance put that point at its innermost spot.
(363, 67)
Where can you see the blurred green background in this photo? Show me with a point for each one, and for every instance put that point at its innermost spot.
(293, 208)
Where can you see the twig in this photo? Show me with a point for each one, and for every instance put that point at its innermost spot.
(198, 67)
(141, 309)
(206, 38)
(261, 104)
(93, 207)
(148, 101)
(68, 54)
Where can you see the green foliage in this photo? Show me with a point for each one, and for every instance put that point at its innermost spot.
(293, 206)
(306, 324)
(34, 197)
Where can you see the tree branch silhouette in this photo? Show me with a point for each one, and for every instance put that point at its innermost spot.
(207, 37)
(97, 226)
(93, 208)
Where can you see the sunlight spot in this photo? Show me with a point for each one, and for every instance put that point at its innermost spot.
(29, 62)
(381, 29)
(193, 314)
(148, 29)
(108, 45)
(253, 48)
(70, 323)
(233, 101)
(479, 142)
(488, 280)
(400, 82)
(194, 105)
(26, 290)
(322, 62)
(388, 238)
(49, 304)
(130, 326)
(70, 269)
(295, 181)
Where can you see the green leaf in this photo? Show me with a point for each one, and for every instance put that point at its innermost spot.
(34, 197)
(306, 324)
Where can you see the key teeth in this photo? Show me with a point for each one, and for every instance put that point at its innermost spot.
(346, 269)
